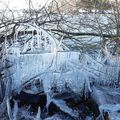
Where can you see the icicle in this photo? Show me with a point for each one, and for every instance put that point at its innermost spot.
(9, 109)
(38, 39)
(5, 50)
(60, 43)
(38, 114)
(32, 42)
(15, 111)
(7, 92)
(15, 37)
(48, 100)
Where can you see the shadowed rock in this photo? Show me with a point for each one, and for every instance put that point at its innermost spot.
(34, 100)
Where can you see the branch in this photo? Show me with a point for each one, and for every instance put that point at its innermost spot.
(83, 34)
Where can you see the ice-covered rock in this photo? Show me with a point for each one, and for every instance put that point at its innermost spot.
(58, 117)
(107, 100)
(62, 105)
(105, 95)
(111, 111)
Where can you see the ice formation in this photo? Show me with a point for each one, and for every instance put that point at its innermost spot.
(49, 61)
(56, 65)
(52, 62)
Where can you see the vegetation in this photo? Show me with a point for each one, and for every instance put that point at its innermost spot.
(89, 5)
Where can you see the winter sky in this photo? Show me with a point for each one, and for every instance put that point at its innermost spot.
(21, 4)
